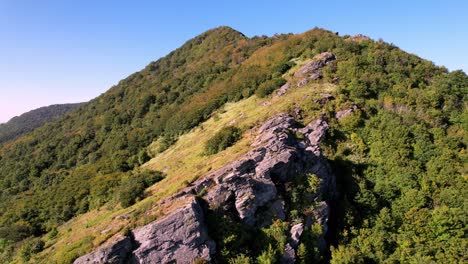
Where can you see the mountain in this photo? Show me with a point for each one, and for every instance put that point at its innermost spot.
(303, 148)
(27, 122)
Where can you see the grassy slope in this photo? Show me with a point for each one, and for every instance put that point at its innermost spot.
(183, 162)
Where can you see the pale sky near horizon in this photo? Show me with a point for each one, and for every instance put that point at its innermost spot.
(56, 51)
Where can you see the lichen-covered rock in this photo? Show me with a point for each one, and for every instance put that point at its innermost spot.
(180, 237)
(303, 82)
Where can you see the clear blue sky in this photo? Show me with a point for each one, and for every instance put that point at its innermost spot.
(71, 51)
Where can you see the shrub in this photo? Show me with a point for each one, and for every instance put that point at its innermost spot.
(31, 247)
(269, 86)
(143, 156)
(132, 189)
(225, 138)
(241, 259)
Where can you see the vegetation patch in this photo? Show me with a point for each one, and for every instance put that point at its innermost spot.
(223, 139)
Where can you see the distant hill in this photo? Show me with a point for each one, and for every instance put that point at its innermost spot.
(26, 122)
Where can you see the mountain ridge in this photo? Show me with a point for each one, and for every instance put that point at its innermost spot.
(395, 142)
(35, 118)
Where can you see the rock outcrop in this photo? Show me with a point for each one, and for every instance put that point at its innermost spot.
(345, 112)
(313, 69)
(180, 237)
(251, 182)
(115, 253)
(358, 38)
(283, 89)
(251, 188)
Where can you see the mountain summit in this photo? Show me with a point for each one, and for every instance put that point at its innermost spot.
(296, 148)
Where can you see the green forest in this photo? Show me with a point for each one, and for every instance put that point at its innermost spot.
(399, 159)
(27, 122)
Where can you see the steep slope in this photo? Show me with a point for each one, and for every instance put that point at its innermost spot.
(254, 190)
(395, 142)
(27, 122)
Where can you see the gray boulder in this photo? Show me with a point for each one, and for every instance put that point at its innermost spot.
(117, 252)
(181, 237)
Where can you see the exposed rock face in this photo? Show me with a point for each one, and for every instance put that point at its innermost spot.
(313, 69)
(249, 183)
(251, 188)
(116, 253)
(296, 232)
(180, 237)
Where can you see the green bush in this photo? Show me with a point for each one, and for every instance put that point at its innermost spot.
(31, 247)
(225, 138)
(132, 188)
(269, 86)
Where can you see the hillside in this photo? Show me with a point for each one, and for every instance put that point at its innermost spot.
(313, 147)
(27, 122)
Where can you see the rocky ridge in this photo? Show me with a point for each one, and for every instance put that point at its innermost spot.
(246, 188)
(313, 69)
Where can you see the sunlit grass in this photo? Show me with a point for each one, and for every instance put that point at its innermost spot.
(182, 163)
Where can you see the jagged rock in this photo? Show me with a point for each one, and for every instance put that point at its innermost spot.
(289, 256)
(313, 69)
(346, 112)
(247, 189)
(296, 232)
(315, 130)
(283, 89)
(115, 253)
(247, 184)
(180, 237)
